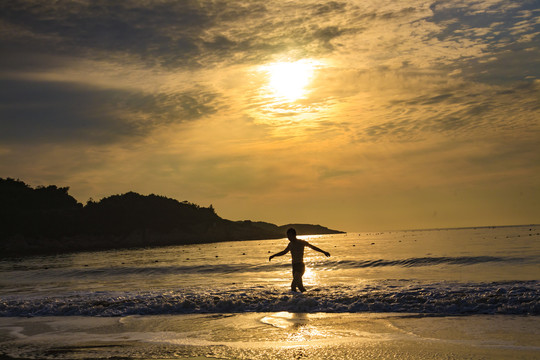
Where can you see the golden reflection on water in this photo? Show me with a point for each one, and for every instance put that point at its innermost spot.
(299, 327)
(310, 277)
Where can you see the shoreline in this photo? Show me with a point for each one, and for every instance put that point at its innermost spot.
(279, 335)
(84, 243)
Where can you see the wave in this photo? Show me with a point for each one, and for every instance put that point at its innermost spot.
(264, 267)
(397, 296)
(430, 261)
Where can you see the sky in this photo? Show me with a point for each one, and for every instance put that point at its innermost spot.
(356, 115)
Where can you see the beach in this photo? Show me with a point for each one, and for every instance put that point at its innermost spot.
(272, 336)
(431, 294)
(155, 157)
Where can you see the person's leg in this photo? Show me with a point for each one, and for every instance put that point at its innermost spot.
(298, 273)
(293, 284)
(300, 283)
(297, 281)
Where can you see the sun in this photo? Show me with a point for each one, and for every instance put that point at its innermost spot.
(288, 80)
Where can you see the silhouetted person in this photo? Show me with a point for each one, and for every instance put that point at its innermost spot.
(296, 247)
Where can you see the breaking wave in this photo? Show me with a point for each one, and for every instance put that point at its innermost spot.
(393, 296)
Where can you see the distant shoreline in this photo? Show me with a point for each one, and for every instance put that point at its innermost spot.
(466, 227)
(41, 246)
(47, 220)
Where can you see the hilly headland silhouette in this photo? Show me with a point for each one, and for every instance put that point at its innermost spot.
(47, 220)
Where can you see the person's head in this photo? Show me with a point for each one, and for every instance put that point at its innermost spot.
(291, 234)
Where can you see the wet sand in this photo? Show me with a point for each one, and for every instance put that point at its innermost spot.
(272, 336)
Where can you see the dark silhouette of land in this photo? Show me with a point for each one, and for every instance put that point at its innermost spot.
(47, 220)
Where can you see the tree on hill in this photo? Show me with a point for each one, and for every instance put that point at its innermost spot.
(119, 214)
(17, 196)
(46, 219)
(43, 211)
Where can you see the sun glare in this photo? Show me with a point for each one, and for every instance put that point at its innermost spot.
(288, 80)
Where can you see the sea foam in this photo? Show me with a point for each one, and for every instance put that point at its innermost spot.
(399, 296)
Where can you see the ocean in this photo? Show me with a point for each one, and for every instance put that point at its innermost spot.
(90, 305)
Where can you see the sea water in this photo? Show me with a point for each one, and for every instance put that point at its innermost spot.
(491, 271)
(456, 271)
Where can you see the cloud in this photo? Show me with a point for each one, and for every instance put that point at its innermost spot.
(169, 34)
(462, 109)
(92, 28)
(38, 111)
(191, 34)
(503, 31)
(407, 98)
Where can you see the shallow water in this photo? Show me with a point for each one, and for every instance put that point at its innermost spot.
(460, 271)
(380, 295)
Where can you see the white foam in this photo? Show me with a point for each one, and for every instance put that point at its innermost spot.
(389, 296)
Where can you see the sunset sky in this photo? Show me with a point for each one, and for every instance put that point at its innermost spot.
(357, 115)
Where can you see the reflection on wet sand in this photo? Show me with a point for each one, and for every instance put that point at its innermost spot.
(282, 335)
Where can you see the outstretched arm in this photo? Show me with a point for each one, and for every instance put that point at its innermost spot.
(319, 250)
(279, 253)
